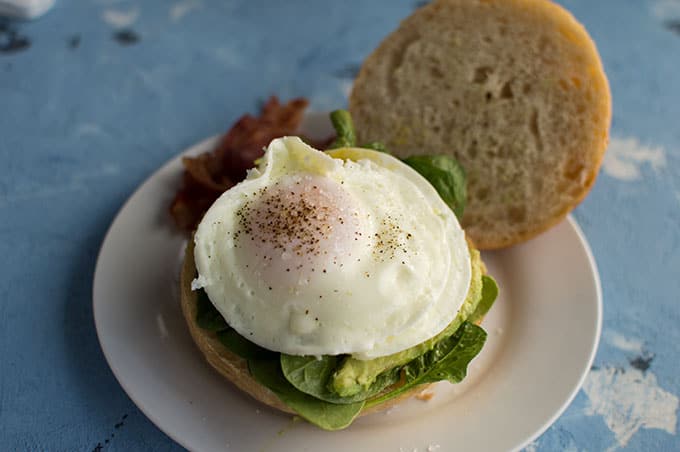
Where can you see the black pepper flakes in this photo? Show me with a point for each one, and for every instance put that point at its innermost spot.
(298, 222)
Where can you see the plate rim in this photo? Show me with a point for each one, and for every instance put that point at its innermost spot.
(196, 147)
(596, 342)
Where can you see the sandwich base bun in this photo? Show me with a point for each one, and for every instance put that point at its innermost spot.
(233, 367)
(513, 89)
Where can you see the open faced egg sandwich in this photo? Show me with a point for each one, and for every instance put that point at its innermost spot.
(333, 284)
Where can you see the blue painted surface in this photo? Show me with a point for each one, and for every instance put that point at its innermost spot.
(85, 118)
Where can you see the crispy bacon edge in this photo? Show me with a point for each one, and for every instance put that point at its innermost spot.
(208, 175)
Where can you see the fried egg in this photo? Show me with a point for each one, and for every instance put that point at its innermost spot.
(327, 253)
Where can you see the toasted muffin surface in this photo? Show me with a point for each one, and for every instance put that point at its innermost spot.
(514, 89)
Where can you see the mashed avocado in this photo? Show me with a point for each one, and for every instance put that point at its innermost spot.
(355, 376)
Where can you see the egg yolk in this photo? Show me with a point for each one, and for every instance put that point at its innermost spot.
(300, 227)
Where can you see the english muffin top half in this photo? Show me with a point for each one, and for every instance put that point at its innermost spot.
(513, 89)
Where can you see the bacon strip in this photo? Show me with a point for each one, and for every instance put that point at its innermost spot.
(208, 175)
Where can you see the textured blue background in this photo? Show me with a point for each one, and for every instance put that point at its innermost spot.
(88, 112)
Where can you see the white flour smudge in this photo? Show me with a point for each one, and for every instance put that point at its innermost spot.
(120, 18)
(622, 343)
(323, 103)
(625, 156)
(161, 326)
(628, 401)
(79, 182)
(346, 87)
(666, 9)
(88, 129)
(181, 9)
(229, 56)
(532, 446)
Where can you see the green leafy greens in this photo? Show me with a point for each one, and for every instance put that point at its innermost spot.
(207, 316)
(346, 135)
(242, 346)
(448, 360)
(355, 376)
(489, 294)
(302, 382)
(444, 172)
(376, 146)
(344, 129)
(446, 175)
(312, 376)
(328, 416)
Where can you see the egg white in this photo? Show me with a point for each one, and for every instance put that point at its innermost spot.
(315, 253)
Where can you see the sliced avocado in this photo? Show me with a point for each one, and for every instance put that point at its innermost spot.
(489, 295)
(355, 375)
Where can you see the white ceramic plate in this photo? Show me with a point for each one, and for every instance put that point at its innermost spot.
(543, 333)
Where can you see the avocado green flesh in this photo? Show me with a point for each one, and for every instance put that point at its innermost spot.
(355, 375)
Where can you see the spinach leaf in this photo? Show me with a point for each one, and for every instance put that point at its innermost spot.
(489, 294)
(376, 146)
(328, 416)
(242, 346)
(448, 360)
(346, 135)
(312, 376)
(264, 366)
(207, 316)
(210, 319)
(446, 175)
(344, 128)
